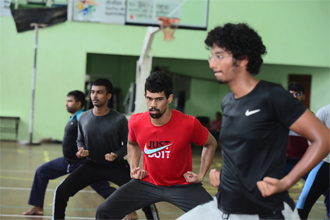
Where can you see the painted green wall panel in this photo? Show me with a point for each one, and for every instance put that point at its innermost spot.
(294, 32)
(120, 68)
(203, 99)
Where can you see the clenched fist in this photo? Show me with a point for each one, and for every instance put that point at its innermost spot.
(111, 157)
(82, 153)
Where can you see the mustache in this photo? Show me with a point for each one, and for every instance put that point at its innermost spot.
(153, 109)
(95, 100)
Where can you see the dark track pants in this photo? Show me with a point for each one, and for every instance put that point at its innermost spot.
(88, 174)
(137, 194)
(316, 184)
(54, 169)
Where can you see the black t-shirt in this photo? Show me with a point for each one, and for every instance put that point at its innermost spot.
(103, 134)
(254, 137)
(69, 144)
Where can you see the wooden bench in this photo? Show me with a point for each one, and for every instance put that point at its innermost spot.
(6, 128)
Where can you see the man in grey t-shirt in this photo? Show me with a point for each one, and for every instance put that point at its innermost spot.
(102, 141)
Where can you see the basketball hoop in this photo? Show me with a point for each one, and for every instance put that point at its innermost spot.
(168, 26)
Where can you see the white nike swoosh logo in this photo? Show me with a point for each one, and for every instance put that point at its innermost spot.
(248, 113)
(148, 151)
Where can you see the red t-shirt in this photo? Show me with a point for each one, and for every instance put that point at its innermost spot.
(166, 149)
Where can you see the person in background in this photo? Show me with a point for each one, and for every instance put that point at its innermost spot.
(215, 126)
(297, 145)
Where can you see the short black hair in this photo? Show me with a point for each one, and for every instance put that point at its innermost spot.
(158, 82)
(103, 82)
(241, 41)
(297, 87)
(79, 96)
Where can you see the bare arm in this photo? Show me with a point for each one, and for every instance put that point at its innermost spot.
(206, 161)
(207, 155)
(317, 133)
(134, 155)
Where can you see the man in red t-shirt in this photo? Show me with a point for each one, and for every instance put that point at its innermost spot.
(164, 135)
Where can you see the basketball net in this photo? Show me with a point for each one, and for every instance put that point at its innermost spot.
(168, 26)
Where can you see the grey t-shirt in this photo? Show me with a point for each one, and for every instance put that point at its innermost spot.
(103, 134)
(324, 115)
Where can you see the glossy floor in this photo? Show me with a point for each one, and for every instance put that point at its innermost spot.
(19, 162)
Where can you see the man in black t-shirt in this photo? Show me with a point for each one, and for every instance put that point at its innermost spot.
(257, 116)
(63, 165)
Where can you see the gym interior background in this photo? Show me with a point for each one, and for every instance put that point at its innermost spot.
(296, 34)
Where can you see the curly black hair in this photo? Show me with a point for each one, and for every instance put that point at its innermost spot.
(241, 41)
(158, 82)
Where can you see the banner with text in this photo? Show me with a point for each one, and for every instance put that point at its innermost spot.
(148, 11)
(5, 8)
(104, 11)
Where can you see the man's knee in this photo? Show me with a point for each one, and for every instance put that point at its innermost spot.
(40, 170)
(102, 212)
(109, 209)
(63, 192)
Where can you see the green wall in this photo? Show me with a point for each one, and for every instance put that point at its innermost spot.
(120, 68)
(296, 34)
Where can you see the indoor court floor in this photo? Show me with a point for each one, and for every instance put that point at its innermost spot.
(18, 165)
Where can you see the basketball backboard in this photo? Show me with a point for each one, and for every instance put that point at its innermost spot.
(192, 14)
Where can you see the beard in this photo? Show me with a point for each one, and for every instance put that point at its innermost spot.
(157, 115)
(71, 110)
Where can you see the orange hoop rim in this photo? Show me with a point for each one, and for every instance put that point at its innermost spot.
(168, 22)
